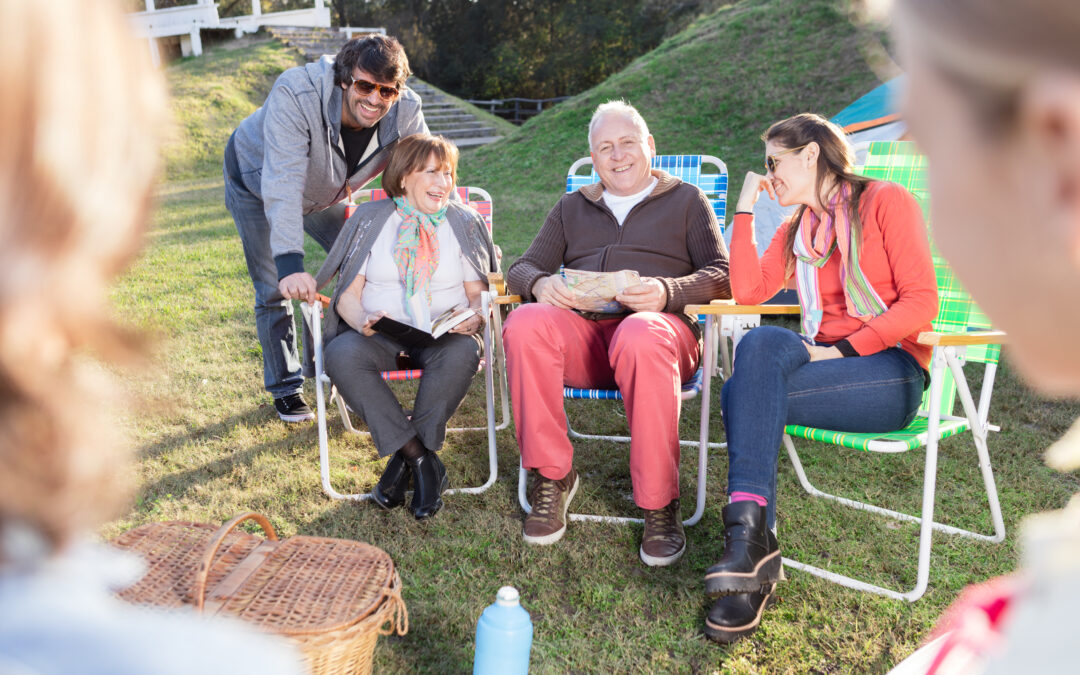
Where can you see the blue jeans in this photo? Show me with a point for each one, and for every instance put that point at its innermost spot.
(773, 383)
(274, 320)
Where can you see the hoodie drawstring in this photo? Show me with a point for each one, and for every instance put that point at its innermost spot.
(330, 155)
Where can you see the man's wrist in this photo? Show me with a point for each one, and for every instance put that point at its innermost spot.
(288, 263)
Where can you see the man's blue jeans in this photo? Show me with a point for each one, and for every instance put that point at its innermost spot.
(274, 320)
(774, 383)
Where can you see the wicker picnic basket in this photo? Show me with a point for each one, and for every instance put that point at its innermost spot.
(332, 597)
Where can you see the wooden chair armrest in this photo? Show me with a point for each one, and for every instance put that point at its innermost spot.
(497, 286)
(728, 307)
(982, 337)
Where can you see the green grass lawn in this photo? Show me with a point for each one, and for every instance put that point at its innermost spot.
(209, 446)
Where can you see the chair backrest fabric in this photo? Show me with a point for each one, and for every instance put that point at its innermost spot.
(687, 168)
(900, 162)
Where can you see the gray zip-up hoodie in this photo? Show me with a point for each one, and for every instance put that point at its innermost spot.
(291, 156)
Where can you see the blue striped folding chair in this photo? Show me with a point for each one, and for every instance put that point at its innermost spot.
(491, 365)
(713, 181)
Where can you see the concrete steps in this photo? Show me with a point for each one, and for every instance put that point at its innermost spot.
(443, 116)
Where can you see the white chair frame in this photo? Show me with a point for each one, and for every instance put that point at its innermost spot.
(493, 366)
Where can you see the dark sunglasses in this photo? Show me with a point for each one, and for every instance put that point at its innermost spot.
(364, 88)
(770, 160)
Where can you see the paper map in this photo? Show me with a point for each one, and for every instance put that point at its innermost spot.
(596, 291)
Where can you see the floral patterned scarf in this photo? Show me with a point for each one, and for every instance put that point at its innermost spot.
(416, 252)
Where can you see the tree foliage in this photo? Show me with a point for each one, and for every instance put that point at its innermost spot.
(527, 48)
(505, 48)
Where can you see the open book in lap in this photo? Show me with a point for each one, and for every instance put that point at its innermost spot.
(411, 336)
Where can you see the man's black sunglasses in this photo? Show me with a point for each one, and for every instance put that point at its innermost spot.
(364, 88)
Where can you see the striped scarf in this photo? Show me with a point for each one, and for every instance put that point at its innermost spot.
(813, 251)
(416, 252)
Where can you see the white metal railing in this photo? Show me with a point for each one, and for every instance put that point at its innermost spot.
(188, 20)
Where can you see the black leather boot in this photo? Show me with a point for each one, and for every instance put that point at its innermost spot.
(751, 555)
(429, 481)
(389, 492)
(734, 616)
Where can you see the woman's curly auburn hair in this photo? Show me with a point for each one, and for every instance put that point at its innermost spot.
(78, 159)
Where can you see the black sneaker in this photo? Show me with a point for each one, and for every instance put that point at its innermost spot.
(292, 408)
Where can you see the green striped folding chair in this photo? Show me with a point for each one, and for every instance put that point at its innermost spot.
(961, 335)
(713, 182)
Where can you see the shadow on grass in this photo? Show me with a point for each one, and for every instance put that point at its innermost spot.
(475, 543)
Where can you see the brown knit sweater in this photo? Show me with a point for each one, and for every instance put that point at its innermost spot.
(671, 235)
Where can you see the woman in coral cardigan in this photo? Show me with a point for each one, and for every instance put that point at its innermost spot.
(859, 253)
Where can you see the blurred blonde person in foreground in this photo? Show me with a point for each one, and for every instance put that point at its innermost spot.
(994, 102)
(82, 114)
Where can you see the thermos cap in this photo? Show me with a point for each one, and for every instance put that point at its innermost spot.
(507, 597)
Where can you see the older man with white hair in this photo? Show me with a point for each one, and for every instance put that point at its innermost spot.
(635, 218)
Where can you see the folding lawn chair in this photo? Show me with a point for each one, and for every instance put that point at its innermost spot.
(960, 335)
(492, 365)
(687, 168)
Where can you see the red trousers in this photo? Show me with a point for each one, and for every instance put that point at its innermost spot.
(646, 355)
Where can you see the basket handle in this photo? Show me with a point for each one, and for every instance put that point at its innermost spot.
(212, 548)
(399, 620)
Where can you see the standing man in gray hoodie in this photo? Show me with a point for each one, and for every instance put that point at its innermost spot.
(326, 129)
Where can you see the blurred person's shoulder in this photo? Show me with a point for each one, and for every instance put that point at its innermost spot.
(62, 617)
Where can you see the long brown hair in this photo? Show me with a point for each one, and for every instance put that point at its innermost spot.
(835, 160)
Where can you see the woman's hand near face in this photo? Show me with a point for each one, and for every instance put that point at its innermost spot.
(752, 187)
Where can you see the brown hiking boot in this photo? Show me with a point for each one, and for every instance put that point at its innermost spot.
(550, 500)
(663, 542)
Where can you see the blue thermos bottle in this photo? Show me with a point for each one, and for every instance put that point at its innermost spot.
(503, 636)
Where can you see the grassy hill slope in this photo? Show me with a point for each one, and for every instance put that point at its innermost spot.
(711, 89)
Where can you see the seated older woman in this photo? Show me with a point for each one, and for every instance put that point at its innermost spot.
(409, 259)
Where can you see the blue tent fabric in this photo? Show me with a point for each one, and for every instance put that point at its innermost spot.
(880, 102)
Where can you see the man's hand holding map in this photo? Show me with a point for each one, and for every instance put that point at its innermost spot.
(596, 291)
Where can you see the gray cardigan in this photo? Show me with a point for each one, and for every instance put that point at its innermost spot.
(290, 152)
(362, 229)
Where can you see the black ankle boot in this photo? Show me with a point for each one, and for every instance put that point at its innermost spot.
(751, 555)
(734, 616)
(389, 492)
(429, 481)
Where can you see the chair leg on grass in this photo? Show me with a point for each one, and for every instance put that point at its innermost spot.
(926, 522)
(314, 319)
